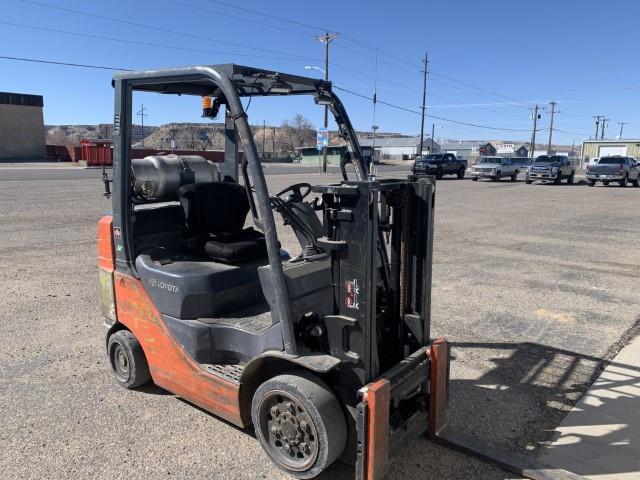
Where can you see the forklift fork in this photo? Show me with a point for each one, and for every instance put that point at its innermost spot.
(377, 442)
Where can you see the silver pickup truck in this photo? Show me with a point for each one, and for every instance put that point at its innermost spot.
(495, 168)
(616, 169)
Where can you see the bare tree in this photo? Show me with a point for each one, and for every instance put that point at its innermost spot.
(298, 132)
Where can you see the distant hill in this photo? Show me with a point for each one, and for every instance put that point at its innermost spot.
(291, 134)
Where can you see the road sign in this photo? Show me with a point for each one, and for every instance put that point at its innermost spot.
(322, 138)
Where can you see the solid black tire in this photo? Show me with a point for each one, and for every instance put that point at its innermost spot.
(558, 179)
(475, 179)
(137, 371)
(528, 182)
(636, 182)
(571, 178)
(461, 173)
(322, 406)
(591, 183)
(606, 184)
(623, 182)
(514, 177)
(497, 177)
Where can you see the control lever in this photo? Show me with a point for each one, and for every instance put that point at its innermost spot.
(107, 183)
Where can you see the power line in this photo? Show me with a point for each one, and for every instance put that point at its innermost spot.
(65, 64)
(134, 42)
(256, 22)
(154, 28)
(405, 109)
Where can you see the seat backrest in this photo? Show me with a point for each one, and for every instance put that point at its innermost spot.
(211, 208)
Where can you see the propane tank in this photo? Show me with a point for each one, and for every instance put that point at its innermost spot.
(158, 177)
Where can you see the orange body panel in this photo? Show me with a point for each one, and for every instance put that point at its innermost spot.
(377, 397)
(171, 367)
(439, 356)
(106, 255)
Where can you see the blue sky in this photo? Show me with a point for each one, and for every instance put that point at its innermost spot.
(490, 61)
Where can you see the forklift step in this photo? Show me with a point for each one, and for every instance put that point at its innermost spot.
(231, 372)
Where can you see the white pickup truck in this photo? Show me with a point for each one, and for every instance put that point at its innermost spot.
(495, 168)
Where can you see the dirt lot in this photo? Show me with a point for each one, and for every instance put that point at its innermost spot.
(535, 285)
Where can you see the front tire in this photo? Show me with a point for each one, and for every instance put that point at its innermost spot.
(591, 183)
(461, 173)
(514, 177)
(497, 177)
(127, 360)
(636, 182)
(474, 179)
(299, 423)
(571, 178)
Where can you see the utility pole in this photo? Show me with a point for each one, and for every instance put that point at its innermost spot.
(273, 140)
(141, 114)
(604, 124)
(553, 112)
(533, 134)
(597, 119)
(374, 127)
(327, 38)
(433, 132)
(264, 136)
(622, 124)
(424, 99)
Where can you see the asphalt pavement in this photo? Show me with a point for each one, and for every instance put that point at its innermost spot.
(535, 285)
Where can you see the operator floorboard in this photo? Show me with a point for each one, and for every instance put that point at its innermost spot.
(254, 319)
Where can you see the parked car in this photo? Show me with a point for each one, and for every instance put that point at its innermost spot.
(494, 168)
(551, 168)
(614, 169)
(439, 164)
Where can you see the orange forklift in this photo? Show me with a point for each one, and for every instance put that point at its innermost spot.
(325, 351)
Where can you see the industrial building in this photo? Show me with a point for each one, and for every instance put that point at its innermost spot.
(22, 132)
(402, 148)
(470, 150)
(600, 148)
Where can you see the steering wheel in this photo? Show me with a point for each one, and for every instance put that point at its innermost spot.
(296, 195)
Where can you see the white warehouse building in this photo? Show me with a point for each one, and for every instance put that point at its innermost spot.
(401, 147)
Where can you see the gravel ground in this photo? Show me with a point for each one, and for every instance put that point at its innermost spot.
(535, 285)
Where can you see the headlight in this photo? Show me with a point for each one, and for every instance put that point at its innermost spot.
(554, 170)
(493, 169)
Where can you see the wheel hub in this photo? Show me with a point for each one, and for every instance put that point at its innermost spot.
(290, 432)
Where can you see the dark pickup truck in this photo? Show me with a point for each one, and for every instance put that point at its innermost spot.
(614, 169)
(439, 164)
(551, 168)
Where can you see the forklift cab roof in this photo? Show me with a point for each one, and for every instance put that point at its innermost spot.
(247, 81)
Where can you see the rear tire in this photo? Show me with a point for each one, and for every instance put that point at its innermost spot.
(591, 183)
(636, 182)
(127, 360)
(299, 423)
(474, 179)
(623, 182)
(461, 173)
(528, 182)
(606, 184)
